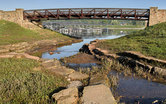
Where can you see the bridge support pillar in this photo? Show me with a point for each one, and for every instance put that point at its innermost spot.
(156, 16)
(146, 23)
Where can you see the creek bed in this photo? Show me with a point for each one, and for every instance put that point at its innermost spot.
(132, 89)
(73, 49)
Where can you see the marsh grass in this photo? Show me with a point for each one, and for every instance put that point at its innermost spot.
(19, 84)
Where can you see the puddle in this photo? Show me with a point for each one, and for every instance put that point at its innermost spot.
(77, 66)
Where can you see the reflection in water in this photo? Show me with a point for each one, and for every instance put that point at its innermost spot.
(83, 31)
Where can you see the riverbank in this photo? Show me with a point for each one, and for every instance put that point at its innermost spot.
(23, 78)
(12, 33)
(86, 83)
(132, 68)
(15, 38)
(37, 80)
(150, 42)
(25, 81)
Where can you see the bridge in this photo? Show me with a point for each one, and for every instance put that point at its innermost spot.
(87, 13)
(152, 15)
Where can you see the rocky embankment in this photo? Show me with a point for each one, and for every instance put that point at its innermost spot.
(129, 58)
(36, 46)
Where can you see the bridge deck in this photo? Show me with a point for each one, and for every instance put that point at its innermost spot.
(88, 13)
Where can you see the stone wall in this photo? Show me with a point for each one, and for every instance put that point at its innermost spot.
(13, 16)
(17, 17)
(157, 16)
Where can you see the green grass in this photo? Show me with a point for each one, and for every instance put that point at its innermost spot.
(19, 84)
(11, 33)
(151, 42)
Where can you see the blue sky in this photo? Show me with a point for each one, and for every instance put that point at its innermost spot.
(44, 4)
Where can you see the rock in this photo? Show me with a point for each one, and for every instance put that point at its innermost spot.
(77, 84)
(92, 47)
(85, 49)
(159, 71)
(98, 94)
(6, 56)
(139, 56)
(4, 50)
(48, 63)
(78, 76)
(99, 79)
(19, 55)
(94, 41)
(67, 96)
(55, 67)
(100, 52)
(112, 56)
(60, 70)
(31, 57)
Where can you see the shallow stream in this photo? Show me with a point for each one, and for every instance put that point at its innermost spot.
(131, 89)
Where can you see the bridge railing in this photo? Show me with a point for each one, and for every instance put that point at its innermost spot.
(88, 13)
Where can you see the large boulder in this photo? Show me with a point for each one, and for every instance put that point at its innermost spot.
(98, 94)
(67, 96)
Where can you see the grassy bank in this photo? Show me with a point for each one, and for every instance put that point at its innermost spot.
(151, 42)
(20, 84)
(11, 33)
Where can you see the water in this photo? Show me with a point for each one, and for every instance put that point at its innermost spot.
(130, 88)
(73, 49)
(137, 89)
(141, 90)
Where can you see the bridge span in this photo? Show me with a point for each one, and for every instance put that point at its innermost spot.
(152, 15)
(88, 13)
